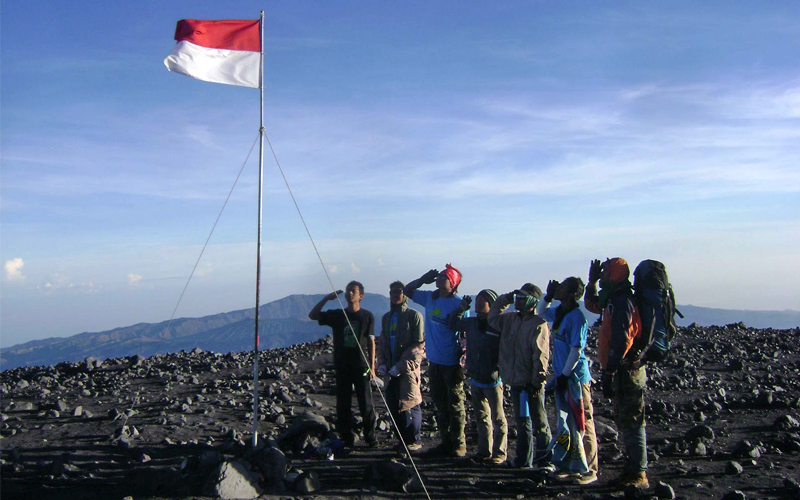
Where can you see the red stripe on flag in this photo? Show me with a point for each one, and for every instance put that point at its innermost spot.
(230, 35)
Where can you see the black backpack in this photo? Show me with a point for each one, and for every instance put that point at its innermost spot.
(656, 303)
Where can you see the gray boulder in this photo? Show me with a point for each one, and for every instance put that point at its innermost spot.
(234, 480)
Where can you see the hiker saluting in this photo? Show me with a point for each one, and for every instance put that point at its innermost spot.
(444, 353)
(483, 347)
(576, 457)
(623, 380)
(524, 358)
(353, 331)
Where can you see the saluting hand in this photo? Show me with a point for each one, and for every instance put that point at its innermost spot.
(430, 276)
(594, 271)
(551, 290)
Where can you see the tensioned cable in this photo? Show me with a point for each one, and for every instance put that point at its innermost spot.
(205, 245)
(341, 305)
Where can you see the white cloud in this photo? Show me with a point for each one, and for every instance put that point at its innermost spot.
(134, 279)
(60, 284)
(14, 269)
(354, 268)
(333, 269)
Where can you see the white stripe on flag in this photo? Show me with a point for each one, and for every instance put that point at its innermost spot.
(232, 67)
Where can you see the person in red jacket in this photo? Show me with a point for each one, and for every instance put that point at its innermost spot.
(624, 380)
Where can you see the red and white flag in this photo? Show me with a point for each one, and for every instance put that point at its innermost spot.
(218, 51)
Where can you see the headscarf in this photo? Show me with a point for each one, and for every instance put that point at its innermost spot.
(453, 274)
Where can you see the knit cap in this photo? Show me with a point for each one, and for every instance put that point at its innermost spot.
(489, 294)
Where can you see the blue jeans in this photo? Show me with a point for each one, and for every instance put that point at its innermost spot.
(409, 421)
(531, 418)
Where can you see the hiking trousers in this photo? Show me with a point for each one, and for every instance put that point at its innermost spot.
(447, 392)
(531, 419)
(409, 421)
(347, 380)
(491, 420)
(590, 438)
(629, 390)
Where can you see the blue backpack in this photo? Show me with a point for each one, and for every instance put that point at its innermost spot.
(656, 303)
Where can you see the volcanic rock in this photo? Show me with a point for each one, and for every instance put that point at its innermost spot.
(664, 491)
(235, 480)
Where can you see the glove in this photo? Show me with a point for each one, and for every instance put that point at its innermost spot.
(394, 372)
(510, 296)
(382, 371)
(594, 271)
(561, 382)
(430, 276)
(607, 384)
(466, 302)
(551, 290)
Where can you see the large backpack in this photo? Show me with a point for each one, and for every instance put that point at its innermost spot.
(656, 303)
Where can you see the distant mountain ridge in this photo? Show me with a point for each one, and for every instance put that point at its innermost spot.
(281, 323)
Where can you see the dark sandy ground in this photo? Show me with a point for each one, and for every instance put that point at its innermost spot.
(722, 416)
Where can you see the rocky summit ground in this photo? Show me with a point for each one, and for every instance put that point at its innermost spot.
(722, 423)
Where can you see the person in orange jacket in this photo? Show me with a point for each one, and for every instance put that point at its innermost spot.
(624, 379)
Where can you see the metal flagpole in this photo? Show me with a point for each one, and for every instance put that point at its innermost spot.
(258, 253)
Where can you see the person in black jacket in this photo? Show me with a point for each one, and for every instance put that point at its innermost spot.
(483, 346)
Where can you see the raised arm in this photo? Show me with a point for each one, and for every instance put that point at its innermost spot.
(495, 316)
(426, 278)
(454, 319)
(590, 299)
(314, 314)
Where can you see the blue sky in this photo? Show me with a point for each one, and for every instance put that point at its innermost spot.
(517, 140)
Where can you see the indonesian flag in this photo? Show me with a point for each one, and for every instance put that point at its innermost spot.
(218, 51)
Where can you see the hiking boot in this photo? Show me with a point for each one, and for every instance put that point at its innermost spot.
(588, 478)
(636, 479)
(414, 446)
(547, 467)
(494, 460)
(460, 451)
(565, 474)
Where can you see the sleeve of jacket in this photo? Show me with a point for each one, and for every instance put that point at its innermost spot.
(412, 356)
(621, 309)
(495, 316)
(382, 346)
(541, 354)
(591, 300)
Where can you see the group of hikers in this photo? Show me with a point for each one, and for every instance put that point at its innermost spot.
(494, 348)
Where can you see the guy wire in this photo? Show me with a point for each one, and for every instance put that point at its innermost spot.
(213, 227)
(341, 306)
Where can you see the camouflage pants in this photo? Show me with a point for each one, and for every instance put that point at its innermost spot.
(447, 392)
(629, 389)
